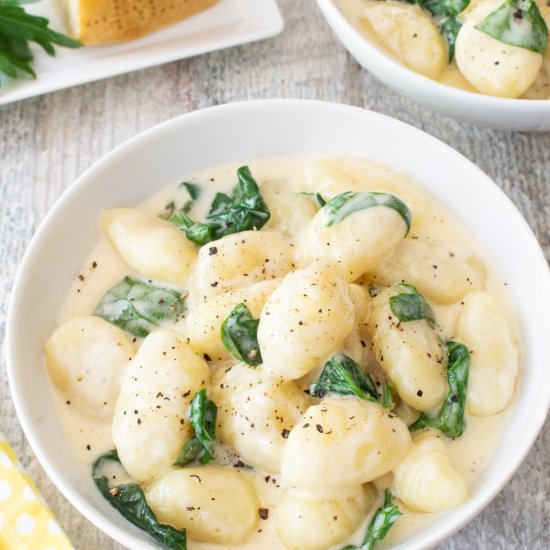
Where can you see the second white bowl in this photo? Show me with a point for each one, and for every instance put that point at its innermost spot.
(493, 112)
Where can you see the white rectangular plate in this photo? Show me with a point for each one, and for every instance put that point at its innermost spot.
(229, 23)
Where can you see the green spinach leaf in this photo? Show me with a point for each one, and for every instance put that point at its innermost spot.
(239, 334)
(129, 500)
(450, 418)
(343, 376)
(243, 210)
(202, 414)
(193, 189)
(387, 396)
(517, 23)
(449, 28)
(409, 305)
(347, 203)
(316, 198)
(380, 524)
(444, 8)
(444, 13)
(137, 306)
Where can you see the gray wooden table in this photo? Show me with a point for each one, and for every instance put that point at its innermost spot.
(46, 142)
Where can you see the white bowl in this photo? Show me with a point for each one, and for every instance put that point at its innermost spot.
(243, 131)
(493, 112)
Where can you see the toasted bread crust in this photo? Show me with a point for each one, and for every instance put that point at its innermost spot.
(107, 21)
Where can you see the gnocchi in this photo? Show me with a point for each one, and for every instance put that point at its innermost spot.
(410, 353)
(426, 480)
(309, 524)
(85, 358)
(357, 244)
(302, 357)
(331, 177)
(442, 272)
(203, 501)
(256, 412)
(306, 318)
(495, 361)
(150, 425)
(360, 437)
(148, 244)
(239, 260)
(493, 67)
(290, 213)
(408, 33)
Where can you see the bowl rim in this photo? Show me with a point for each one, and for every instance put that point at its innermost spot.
(31, 432)
(422, 84)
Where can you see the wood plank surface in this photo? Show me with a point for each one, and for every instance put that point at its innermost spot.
(46, 142)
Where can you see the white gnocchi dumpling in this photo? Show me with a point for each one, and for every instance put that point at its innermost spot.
(151, 246)
(331, 177)
(240, 260)
(407, 32)
(256, 413)
(540, 89)
(493, 67)
(442, 272)
(205, 319)
(85, 358)
(150, 425)
(494, 359)
(304, 523)
(214, 505)
(426, 479)
(341, 443)
(305, 319)
(357, 243)
(410, 353)
(290, 213)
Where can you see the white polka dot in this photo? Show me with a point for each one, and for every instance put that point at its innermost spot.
(5, 490)
(28, 493)
(50, 548)
(53, 528)
(24, 524)
(5, 460)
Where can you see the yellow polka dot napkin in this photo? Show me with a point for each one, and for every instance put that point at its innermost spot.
(26, 522)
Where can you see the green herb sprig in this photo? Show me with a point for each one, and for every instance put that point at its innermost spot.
(17, 30)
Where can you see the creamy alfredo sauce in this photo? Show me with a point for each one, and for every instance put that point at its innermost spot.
(88, 437)
(353, 10)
